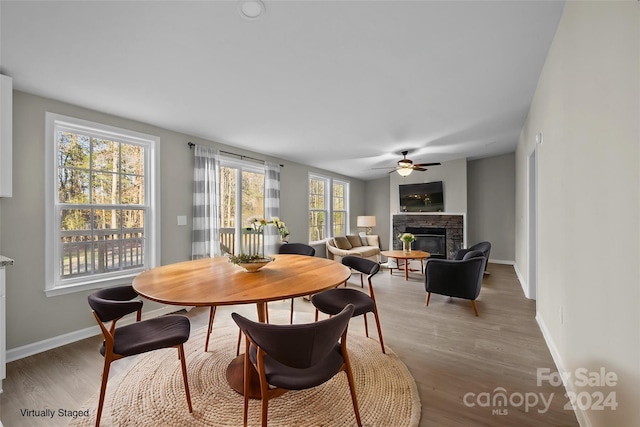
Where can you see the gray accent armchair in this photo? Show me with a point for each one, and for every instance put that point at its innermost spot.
(484, 247)
(456, 278)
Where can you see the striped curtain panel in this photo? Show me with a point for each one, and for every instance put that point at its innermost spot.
(205, 236)
(271, 206)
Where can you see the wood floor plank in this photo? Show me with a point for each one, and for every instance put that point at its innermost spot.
(450, 352)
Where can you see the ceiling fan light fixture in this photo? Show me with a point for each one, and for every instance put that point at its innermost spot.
(404, 171)
(405, 163)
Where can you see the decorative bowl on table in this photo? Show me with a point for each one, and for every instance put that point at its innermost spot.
(250, 263)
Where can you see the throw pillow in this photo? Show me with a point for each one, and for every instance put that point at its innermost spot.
(372, 240)
(355, 241)
(342, 243)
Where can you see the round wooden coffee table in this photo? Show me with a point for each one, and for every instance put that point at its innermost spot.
(406, 256)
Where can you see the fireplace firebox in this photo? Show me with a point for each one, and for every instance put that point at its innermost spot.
(430, 239)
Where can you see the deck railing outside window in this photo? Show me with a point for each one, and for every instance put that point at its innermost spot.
(252, 241)
(102, 251)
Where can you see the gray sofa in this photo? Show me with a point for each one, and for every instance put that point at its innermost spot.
(367, 246)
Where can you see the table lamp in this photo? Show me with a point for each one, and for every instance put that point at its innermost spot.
(366, 222)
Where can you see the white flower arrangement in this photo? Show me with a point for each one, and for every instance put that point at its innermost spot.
(258, 224)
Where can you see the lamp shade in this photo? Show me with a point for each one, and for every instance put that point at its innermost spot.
(366, 221)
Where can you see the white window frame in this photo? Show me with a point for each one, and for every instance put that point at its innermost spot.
(346, 203)
(328, 203)
(54, 284)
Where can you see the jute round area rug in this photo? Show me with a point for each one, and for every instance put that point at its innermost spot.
(151, 392)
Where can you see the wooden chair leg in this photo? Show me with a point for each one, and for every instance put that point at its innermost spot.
(247, 367)
(475, 308)
(316, 314)
(375, 315)
(352, 390)
(212, 315)
(428, 297)
(103, 387)
(362, 280)
(239, 339)
(366, 327)
(183, 361)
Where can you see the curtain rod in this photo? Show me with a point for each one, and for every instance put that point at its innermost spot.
(242, 157)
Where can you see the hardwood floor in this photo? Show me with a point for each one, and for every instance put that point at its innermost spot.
(459, 361)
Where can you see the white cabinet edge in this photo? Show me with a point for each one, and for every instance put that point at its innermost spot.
(6, 135)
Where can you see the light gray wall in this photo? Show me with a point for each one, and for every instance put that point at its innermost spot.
(377, 204)
(33, 317)
(491, 192)
(587, 106)
(453, 175)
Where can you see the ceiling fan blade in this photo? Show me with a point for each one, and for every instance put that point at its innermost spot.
(419, 169)
(426, 164)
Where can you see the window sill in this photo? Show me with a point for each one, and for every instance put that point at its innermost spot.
(318, 242)
(95, 284)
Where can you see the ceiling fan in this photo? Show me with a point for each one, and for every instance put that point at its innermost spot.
(406, 166)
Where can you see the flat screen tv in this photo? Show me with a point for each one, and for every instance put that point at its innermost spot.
(423, 197)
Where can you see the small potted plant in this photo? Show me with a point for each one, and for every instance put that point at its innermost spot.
(251, 263)
(407, 239)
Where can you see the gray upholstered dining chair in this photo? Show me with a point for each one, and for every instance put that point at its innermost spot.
(456, 278)
(110, 305)
(333, 301)
(296, 249)
(295, 357)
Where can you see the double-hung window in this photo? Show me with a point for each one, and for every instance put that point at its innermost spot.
(340, 201)
(328, 207)
(102, 219)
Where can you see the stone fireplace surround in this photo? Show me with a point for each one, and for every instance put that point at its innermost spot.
(453, 223)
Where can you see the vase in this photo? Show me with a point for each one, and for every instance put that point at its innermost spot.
(406, 246)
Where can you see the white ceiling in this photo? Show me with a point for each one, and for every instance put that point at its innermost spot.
(339, 85)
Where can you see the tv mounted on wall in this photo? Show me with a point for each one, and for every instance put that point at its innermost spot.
(423, 197)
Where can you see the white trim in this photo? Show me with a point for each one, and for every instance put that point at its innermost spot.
(581, 415)
(501, 261)
(71, 337)
(523, 283)
(94, 284)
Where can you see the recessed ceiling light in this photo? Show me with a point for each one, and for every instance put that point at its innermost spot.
(251, 9)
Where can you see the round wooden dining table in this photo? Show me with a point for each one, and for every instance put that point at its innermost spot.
(215, 281)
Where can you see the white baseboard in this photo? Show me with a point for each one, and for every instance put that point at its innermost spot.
(501, 261)
(581, 415)
(68, 338)
(523, 283)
